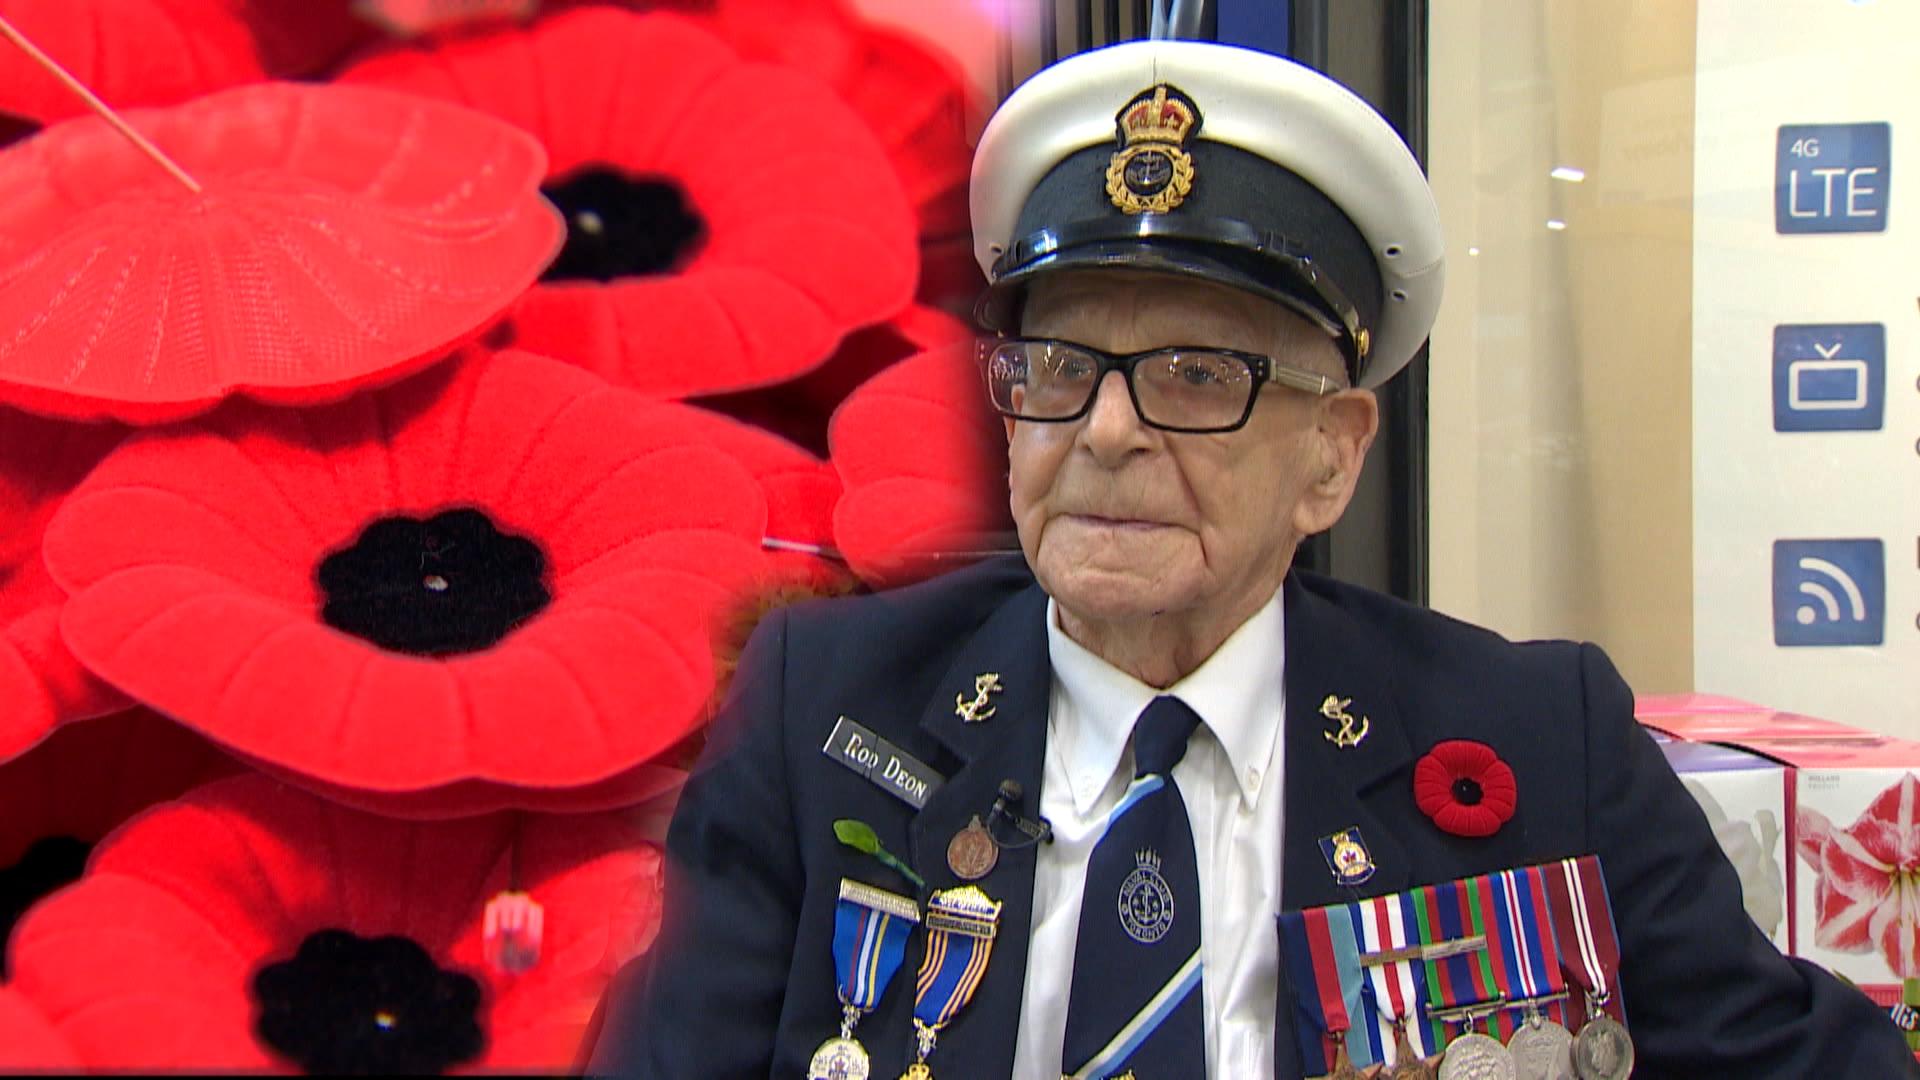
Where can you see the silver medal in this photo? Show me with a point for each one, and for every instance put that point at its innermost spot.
(1602, 1050)
(1542, 1050)
(1474, 1056)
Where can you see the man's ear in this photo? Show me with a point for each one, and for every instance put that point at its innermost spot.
(1345, 424)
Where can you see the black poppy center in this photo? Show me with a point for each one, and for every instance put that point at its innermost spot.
(620, 225)
(51, 862)
(1467, 792)
(367, 1006)
(452, 583)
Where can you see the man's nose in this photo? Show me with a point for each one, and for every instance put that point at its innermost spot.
(1114, 428)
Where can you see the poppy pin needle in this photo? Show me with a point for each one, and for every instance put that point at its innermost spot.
(79, 89)
(860, 836)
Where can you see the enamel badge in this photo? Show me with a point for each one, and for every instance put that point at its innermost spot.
(1152, 172)
(1347, 856)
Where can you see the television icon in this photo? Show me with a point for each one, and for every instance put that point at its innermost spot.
(1829, 377)
(1829, 592)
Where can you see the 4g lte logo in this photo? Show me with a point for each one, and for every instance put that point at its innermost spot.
(1832, 178)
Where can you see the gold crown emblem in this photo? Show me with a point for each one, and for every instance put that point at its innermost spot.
(1160, 118)
(1148, 859)
(1152, 172)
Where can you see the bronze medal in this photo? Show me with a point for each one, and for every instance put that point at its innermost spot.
(972, 854)
(1343, 1066)
(1474, 1056)
(1407, 1065)
(840, 1059)
(1602, 1050)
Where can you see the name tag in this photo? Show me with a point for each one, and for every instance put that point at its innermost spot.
(894, 770)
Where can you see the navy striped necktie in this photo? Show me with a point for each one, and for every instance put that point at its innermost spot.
(1135, 1002)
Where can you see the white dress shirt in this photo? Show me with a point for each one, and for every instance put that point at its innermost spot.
(1230, 780)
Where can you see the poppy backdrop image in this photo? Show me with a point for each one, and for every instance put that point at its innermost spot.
(392, 462)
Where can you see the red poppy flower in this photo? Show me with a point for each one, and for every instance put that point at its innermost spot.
(249, 926)
(61, 797)
(1865, 898)
(923, 460)
(912, 94)
(492, 584)
(40, 681)
(28, 1040)
(728, 221)
(340, 236)
(160, 52)
(1465, 788)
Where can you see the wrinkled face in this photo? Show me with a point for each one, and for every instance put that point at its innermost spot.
(1119, 520)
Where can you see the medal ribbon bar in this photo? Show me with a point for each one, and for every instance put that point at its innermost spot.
(1399, 995)
(961, 925)
(1583, 923)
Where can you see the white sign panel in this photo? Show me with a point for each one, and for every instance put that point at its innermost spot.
(1806, 352)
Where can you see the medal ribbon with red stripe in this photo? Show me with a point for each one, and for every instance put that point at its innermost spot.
(1525, 936)
(1583, 923)
(1320, 947)
(1399, 991)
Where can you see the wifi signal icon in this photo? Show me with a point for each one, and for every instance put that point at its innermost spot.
(1829, 592)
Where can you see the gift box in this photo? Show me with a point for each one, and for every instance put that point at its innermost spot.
(1744, 796)
(1854, 801)
(1709, 718)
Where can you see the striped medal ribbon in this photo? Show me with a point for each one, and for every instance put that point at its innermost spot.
(961, 925)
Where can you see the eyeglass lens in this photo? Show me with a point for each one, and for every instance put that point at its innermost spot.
(1187, 388)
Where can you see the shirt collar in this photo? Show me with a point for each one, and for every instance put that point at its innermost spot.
(1239, 693)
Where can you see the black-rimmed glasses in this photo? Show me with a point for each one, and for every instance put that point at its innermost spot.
(1185, 389)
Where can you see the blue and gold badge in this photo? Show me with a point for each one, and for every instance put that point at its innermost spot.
(1152, 172)
(1347, 856)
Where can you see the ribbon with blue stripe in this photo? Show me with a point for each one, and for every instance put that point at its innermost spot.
(961, 924)
(870, 931)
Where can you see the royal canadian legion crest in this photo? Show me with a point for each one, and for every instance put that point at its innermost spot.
(1152, 171)
(1146, 904)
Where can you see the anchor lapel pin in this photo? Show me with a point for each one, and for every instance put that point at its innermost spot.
(1351, 731)
(980, 708)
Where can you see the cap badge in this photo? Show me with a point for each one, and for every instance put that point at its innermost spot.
(1151, 173)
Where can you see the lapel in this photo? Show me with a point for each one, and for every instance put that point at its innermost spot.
(1011, 745)
(1331, 788)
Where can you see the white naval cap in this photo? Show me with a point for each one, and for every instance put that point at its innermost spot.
(1215, 161)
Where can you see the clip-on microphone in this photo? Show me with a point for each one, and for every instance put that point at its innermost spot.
(1006, 808)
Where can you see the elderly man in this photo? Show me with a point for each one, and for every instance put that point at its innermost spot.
(1058, 816)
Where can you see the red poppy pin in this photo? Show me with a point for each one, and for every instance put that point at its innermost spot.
(378, 594)
(1465, 788)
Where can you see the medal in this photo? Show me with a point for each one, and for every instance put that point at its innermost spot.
(1407, 1062)
(961, 925)
(1474, 1056)
(972, 854)
(1590, 951)
(870, 931)
(840, 1059)
(1541, 1049)
(1602, 1050)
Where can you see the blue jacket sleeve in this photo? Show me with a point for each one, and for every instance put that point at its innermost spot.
(1706, 993)
(708, 1004)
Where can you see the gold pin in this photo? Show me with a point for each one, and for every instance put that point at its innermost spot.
(1335, 708)
(978, 709)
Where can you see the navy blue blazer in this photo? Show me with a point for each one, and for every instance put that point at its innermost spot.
(741, 981)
